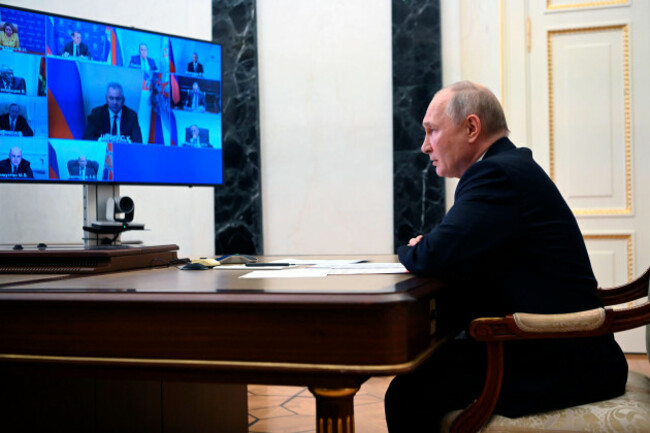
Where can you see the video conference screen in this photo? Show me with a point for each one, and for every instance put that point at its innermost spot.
(87, 102)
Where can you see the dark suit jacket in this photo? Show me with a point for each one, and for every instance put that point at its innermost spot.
(90, 171)
(99, 123)
(510, 244)
(24, 169)
(21, 125)
(199, 67)
(83, 49)
(136, 63)
(190, 96)
(17, 86)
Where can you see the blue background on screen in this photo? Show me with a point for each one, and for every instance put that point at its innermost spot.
(133, 163)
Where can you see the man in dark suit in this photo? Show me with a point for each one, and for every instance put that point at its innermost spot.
(13, 121)
(81, 170)
(509, 244)
(194, 66)
(142, 60)
(15, 165)
(113, 118)
(9, 83)
(76, 48)
(195, 99)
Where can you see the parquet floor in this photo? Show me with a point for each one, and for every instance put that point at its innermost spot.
(286, 409)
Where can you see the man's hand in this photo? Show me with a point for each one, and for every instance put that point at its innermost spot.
(414, 241)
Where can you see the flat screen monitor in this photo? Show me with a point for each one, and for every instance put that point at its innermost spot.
(89, 102)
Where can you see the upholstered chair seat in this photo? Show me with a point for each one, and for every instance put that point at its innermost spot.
(629, 413)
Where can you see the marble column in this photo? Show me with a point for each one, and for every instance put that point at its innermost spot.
(238, 202)
(418, 193)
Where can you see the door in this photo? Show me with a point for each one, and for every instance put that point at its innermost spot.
(589, 111)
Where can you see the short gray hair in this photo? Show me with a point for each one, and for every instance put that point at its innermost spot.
(469, 98)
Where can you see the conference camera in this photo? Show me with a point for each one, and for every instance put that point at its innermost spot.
(120, 209)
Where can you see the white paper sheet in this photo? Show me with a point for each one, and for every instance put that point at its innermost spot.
(288, 273)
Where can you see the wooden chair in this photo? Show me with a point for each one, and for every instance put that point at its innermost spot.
(626, 307)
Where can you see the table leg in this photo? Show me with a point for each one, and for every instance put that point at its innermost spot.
(334, 409)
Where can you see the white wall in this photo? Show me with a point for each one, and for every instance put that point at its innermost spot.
(326, 126)
(53, 213)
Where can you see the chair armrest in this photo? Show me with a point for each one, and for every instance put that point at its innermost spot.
(627, 292)
(525, 326)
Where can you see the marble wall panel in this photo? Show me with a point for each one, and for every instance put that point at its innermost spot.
(238, 202)
(419, 194)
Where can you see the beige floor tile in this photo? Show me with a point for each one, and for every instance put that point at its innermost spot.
(271, 412)
(275, 390)
(290, 424)
(257, 402)
(302, 405)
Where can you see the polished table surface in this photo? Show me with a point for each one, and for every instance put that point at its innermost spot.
(329, 333)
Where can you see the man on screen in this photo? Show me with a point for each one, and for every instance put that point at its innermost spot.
(15, 165)
(13, 121)
(195, 138)
(76, 48)
(113, 119)
(9, 83)
(81, 170)
(195, 99)
(194, 66)
(142, 60)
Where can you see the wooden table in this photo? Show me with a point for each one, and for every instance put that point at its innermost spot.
(330, 334)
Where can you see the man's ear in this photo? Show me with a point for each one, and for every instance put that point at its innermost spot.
(473, 125)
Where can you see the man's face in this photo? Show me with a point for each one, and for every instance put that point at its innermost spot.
(444, 142)
(82, 161)
(7, 74)
(114, 99)
(9, 31)
(195, 131)
(13, 112)
(195, 87)
(15, 156)
(143, 51)
(195, 58)
(76, 38)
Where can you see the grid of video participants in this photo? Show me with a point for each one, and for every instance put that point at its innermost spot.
(89, 102)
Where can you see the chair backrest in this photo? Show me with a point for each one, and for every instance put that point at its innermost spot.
(72, 164)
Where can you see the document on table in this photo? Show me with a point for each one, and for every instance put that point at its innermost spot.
(368, 268)
(288, 273)
(322, 268)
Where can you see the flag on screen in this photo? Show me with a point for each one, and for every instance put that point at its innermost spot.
(108, 163)
(51, 39)
(172, 129)
(112, 48)
(172, 64)
(66, 111)
(144, 105)
(42, 81)
(176, 90)
(53, 162)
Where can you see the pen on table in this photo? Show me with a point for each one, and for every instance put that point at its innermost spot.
(252, 265)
